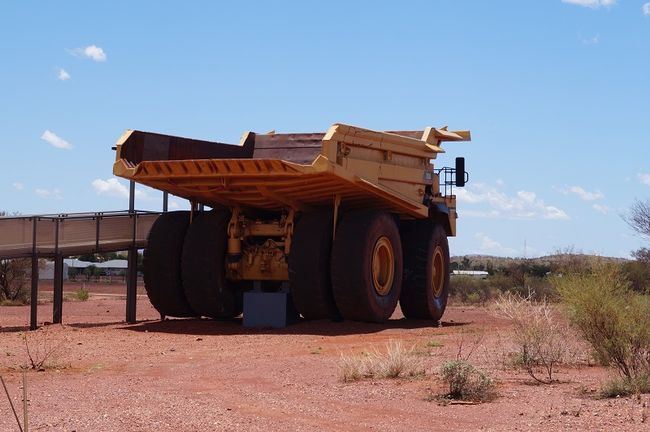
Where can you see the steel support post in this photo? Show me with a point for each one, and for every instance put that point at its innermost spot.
(132, 270)
(131, 286)
(131, 196)
(33, 298)
(57, 311)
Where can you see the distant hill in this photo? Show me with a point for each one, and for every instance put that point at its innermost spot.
(477, 260)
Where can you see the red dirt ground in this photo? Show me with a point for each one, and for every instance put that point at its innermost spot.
(202, 375)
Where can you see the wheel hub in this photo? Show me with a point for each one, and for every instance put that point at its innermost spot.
(383, 266)
(437, 272)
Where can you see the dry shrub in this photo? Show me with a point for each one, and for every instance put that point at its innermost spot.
(395, 362)
(466, 382)
(42, 350)
(539, 335)
(613, 319)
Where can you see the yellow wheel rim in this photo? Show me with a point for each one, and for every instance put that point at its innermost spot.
(437, 272)
(383, 266)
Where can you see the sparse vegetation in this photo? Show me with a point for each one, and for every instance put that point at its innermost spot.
(470, 290)
(539, 335)
(41, 350)
(467, 383)
(395, 362)
(614, 320)
(14, 279)
(82, 294)
(617, 386)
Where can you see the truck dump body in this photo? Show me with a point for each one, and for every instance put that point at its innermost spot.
(365, 169)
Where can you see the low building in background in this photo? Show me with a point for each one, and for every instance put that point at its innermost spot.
(480, 274)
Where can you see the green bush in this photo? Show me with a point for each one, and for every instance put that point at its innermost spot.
(470, 290)
(617, 387)
(638, 274)
(466, 382)
(612, 318)
(82, 294)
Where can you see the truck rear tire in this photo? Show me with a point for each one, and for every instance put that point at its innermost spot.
(309, 266)
(426, 271)
(367, 266)
(162, 265)
(203, 267)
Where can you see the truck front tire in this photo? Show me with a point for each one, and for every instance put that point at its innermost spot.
(426, 270)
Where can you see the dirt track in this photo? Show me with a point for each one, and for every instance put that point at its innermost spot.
(200, 375)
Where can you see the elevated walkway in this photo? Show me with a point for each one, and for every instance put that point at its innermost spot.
(63, 235)
(74, 233)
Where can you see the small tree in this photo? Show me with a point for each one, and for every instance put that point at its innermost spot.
(639, 217)
(91, 271)
(642, 255)
(14, 276)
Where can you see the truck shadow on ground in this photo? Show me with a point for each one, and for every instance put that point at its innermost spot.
(208, 327)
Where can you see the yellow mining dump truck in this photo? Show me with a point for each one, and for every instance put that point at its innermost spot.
(354, 220)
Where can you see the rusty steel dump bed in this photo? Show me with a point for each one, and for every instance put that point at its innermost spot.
(362, 168)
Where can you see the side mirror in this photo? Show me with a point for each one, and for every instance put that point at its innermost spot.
(460, 171)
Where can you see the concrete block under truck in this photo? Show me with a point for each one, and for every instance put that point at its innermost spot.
(353, 219)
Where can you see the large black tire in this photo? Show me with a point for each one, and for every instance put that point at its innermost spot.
(309, 266)
(203, 267)
(359, 295)
(162, 264)
(426, 271)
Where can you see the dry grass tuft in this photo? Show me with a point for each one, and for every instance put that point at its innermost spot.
(395, 362)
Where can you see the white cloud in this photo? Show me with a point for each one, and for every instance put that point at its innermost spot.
(92, 52)
(582, 193)
(643, 177)
(591, 3)
(491, 246)
(110, 187)
(18, 185)
(63, 75)
(49, 194)
(589, 40)
(646, 9)
(55, 140)
(601, 208)
(113, 188)
(524, 205)
(173, 205)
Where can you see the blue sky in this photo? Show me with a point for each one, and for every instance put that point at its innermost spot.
(556, 94)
